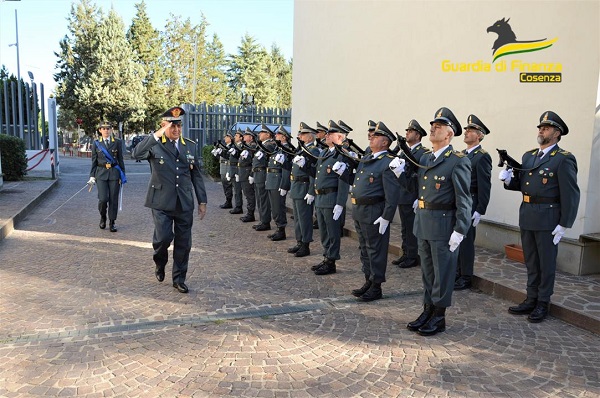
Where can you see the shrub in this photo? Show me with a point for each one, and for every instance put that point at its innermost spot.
(211, 163)
(14, 157)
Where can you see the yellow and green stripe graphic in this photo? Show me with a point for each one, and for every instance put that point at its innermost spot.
(522, 47)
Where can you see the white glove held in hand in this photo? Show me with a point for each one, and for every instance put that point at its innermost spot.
(214, 151)
(91, 181)
(218, 151)
(415, 205)
(337, 211)
(282, 192)
(227, 177)
(309, 199)
(250, 180)
(339, 168)
(397, 166)
(244, 154)
(476, 218)
(280, 158)
(383, 224)
(558, 234)
(506, 175)
(258, 155)
(231, 151)
(353, 155)
(237, 178)
(455, 240)
(299, 160)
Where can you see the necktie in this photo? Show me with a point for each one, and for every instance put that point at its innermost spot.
(431, 159)
(538, 158)
(175, 146)
(106, 143)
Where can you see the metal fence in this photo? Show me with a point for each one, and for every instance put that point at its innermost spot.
(207, 123)
(23, 118)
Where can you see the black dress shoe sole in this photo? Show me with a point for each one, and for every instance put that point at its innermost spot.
(367, 299)
(462, 287)
(160, 277)
(523, 312)
(180, 289)
(436, 331)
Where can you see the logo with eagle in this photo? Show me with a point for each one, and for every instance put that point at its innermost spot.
(507, 42)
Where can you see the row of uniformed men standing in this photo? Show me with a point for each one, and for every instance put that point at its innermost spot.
(441, 197)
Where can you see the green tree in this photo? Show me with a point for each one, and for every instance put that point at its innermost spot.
(147, 45)
(281, 77)
(214, 77)
(248, 74)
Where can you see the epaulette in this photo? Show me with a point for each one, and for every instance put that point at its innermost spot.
(458, 153)
(389, 155)
(563, 152)
(533, 151)
(187, 139)
(427, 150)
(482, 150)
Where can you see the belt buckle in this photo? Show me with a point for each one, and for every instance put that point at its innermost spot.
(421, 204)
(526, 198)
(353, 201)
(108, 165)
(292, 178)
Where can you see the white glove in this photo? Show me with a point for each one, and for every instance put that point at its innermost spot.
(237, 178)
(250, 180)
(299, 160)
(397, 166)
(476, 218)
(455, 240)
(337, 211)
(558, 233)
(214, 151)
(309, 199)
(244, 154)
(218, 151)
(353, 155)
(231, 151)
(415, 205)
(339, 167)
(258, 155)
(227, 177)
(383, 224)
(282, 192)
(280, 158)
(506, 175)
(91, 181)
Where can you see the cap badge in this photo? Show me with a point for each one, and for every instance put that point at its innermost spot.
(439, 113)
(545, 117)
(176, 112)
(469, 119)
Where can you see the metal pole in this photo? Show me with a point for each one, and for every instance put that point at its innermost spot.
(195, 68)
(21, 121)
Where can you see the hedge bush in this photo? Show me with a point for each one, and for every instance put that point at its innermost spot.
(14, 157)
(211, 163)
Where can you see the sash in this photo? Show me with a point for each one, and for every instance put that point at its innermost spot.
(108, 157)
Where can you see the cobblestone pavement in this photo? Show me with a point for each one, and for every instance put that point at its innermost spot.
(82, 314)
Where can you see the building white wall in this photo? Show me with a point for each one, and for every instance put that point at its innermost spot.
(382, 60)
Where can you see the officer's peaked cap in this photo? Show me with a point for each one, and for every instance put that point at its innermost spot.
(473, 122)
(445, 116)
(552, 119)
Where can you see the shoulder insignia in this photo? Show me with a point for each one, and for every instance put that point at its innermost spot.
(426, 150)
(533, 151)
(482, 150)
(380, 156)
(457, 153)
(563, 152)
(448, 153)
(390, 156)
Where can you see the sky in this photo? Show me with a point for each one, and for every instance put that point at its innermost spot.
(43, 23)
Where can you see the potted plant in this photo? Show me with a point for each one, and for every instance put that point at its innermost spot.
(514, 251)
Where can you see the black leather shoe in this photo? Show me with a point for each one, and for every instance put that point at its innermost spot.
(263, 227)
(462, 283)
(160, 273)
(409, 263)
(315, 225)
(327, 268)
(374, 293)
(303, 251)
(112, 226)
(102, 224)
(435, 324)
(181, 287)
(539, 313)
(400, 260)
(524, 308)
(248, 218)
(422, 319)
(226, 205)
(315, 267)
(360, 291)
(295, 249)
(279, 235)
(237, 210)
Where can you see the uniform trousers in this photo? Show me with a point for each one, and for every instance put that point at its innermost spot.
(373, 250)
(410, 247)
(237, 194)
(438, 271)
(278, 208)
(540, 259)
(262, 202)
(108, 197)
(466, 255)
(330, 231)
(227, 187)
(250, 194)
(175, 224)
(303, 223)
